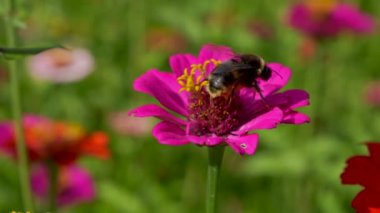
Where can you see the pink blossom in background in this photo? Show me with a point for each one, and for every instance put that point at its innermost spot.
(61, 65)
(372, 94)
(189, 114)
(75, 184)
(328, 18)
(124, 124)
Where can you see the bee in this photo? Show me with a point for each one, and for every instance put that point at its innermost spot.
(242, 71)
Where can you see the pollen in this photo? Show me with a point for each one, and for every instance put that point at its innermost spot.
(195, 79)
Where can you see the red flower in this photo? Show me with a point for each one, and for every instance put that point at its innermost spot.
(60, 142)
(365, 171)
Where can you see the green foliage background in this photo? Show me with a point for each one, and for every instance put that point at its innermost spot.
(295, 169)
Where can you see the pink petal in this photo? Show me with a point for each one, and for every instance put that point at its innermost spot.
(280, 77)
(354, 19)
(296, 98)
(79, 188)
(169, 134)
(301, 18)
(293, 117)
(150, 110)
(211, 51)
(267, 120)
(246, 144)
(6, 133)
(40, 181)
(30, 120)
(78, 185)
(164, 87)
(251, 107)
(179, 62)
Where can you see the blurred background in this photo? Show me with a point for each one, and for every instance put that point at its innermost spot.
(295, 169)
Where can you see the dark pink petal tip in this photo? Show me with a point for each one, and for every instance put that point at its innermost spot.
(294, 117)
(297, 98)
(243, 145)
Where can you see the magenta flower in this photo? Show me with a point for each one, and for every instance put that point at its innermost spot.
(75, 184)
(210, 122)
(321, 19)
(61, 66)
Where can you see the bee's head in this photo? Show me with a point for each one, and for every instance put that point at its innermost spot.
(265, 73)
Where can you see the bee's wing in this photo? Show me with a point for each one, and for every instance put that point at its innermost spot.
(240, 66)
(239, 70)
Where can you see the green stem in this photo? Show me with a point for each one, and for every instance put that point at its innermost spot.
(215, 157)
(16, 108)
(53, 186)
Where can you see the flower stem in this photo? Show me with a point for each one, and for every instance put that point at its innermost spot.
(53, 186)
(11, 9)
(215, 157)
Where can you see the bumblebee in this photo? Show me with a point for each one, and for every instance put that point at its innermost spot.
(242, 71)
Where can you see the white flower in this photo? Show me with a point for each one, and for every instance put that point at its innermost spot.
(61, 65)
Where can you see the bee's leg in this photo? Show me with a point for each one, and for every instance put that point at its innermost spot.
(258, 90)
(232, 94)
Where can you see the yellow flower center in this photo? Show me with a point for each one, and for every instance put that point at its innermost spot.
(189, 82)
(321, 7)
(60, 57)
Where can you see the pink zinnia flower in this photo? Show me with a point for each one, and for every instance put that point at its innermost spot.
(365, 171)
(75, 184)
(328, 18)
(207, 121)
(61, 65)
